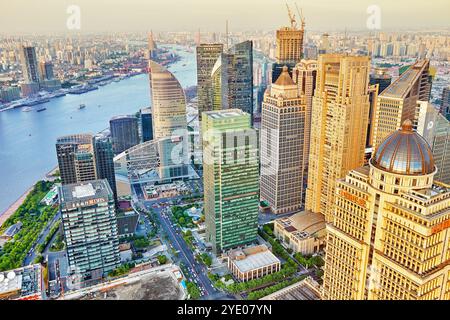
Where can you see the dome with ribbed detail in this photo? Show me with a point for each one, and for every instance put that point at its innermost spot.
(404, 152)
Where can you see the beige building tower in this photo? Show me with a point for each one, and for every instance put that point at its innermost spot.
(389, 235)
(168, 102)
(290, 41)
(340, 112)
(398, 102)
(283, 126)
(304, 75)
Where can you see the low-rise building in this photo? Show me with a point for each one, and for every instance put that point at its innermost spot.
(307, 289)
(22, 283)
(253, 262)
(302, 232)
(11, 231)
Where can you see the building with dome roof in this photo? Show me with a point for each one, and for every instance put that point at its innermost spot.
(389, 236)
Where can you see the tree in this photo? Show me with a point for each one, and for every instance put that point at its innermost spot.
(162, 259)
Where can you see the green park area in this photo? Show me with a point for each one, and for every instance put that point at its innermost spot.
(34, 217)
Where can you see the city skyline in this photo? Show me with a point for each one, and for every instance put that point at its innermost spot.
(210, 16)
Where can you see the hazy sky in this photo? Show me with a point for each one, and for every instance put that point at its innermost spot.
(43, 16)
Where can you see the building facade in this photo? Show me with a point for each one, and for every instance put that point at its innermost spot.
(339, 121)
(76, 158)
(445, 103)
(389, 234)
(124, 132)
(398, 102)
(207, 55)
(283, 130)
(29, 62)
(231, 178)
(146, 124)
(90, 227)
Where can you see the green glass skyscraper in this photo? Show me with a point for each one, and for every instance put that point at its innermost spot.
(231, 178)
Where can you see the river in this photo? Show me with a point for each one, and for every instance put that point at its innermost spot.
(27, 139)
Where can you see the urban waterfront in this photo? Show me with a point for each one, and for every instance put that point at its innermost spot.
(27, 139)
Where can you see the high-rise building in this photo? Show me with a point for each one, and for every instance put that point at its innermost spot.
(339, 121)
(283, 131)
(146, 124)
(445, 102)
(207, 55)
(76, 158)
(398, 102)
(124, 132)
(104, 161)
(90, 227)
(304, 75)
(29, 64)
(232, 79)
(83, 157)
(46, 70)
(388, 236)
(441, 148)
(168, 103)
(324, 46)
(231, 178)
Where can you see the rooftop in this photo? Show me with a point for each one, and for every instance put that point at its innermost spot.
(21, 283)
(85, 191)
(400, 87)
(304, 223)
(222, 114)
(253, 258)
(307, 289)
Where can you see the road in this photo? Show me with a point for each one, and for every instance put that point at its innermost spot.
(197, 271)
(32, 253)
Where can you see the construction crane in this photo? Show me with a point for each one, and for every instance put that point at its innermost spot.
(291, 18)
(300, 14)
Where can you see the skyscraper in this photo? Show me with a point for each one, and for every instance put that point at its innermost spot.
(169, 122)
(46, 70)
(398, 102)
(231, 178)
(168, 102)
(83, 157)
(388, 236)
(29, 64)
(146, 124)
(124, 132)
(289, 47)
(283, 126)
(445, 103)
(441, 148)
(76, 158)
(207, 55)
(90, 227)
(104, 161)
(340, 113)
(304, 75)
(232, 79)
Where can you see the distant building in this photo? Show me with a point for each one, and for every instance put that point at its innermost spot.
(252, 263)
(445, 104)
(124, 132)
(90, 227)
(381, 77)
(29, 63)
(146, 124)
(8, 94)
(302, 232)
(231, 178)
(24, 283)
(46, 70)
